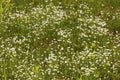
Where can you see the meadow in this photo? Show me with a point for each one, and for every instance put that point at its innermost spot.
(59, 40)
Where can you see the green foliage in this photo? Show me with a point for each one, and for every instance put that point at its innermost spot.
(60, 40)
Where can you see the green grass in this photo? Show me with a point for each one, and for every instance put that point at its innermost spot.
(71, 40)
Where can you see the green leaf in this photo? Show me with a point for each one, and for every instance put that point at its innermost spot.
(96, 74)
(1, 9)
(93, 44)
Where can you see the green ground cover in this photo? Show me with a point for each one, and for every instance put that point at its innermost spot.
(59, 40)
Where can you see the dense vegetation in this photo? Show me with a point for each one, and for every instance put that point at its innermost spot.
(59, 40)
